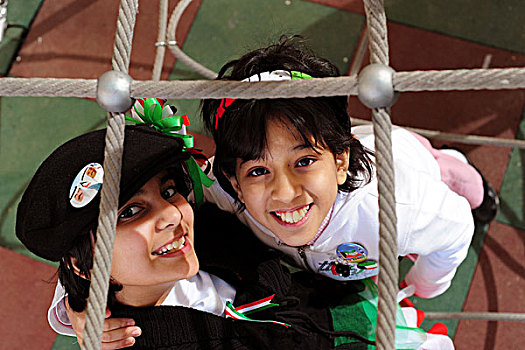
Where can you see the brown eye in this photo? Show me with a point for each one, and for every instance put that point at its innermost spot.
(129, 212)
(305, 162)
(169, 192)
(258, 172)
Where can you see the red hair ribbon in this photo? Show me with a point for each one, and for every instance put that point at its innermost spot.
(225, 103)
(275, 75)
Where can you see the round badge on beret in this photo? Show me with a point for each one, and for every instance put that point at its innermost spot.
(86, 185)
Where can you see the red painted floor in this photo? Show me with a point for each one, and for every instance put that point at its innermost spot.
(498, 285)
(26, 289)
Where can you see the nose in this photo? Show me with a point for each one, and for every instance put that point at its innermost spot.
(285, 187)
(168, 216)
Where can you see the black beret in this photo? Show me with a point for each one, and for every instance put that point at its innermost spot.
(48, 223)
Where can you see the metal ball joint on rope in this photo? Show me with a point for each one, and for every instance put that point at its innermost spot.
(375, 87)
(114, 91)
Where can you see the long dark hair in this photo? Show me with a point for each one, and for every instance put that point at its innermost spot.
(241, 131)
(75, 286)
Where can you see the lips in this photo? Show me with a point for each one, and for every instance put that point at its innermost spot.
(173, 246)
(292, 217)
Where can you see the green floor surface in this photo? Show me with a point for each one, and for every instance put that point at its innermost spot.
(226, 29)
(512, 190)
(31, 128)
(65, 343)
(20, 15)
(493, 23)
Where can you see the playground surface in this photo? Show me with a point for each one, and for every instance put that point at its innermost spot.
(74, 39)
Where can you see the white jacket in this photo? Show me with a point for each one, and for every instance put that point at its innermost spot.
(432, 221)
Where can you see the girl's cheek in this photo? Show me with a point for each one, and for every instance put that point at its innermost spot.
(185, 208)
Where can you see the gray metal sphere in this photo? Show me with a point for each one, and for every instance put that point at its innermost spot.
(113, 91)
(375, 88)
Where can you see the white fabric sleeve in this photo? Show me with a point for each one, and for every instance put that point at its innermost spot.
(56, 314)
(437, 342)
(215, 194)
(433, 341)
(441, 236)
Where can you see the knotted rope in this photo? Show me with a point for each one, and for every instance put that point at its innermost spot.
(466, 139)
(388, 263)
(110, 191)
(432, 80)
(161, 36)
(177, 52)
(487, 316)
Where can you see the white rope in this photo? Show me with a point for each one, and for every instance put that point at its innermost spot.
(388, 261)
(110, 191)
(467, 139)
(161, 36)
(487, 316)
(187, 60)
(445, 80)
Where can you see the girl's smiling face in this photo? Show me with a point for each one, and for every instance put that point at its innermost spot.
(153, 243)
(292, 188)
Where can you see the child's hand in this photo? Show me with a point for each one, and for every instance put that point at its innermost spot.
(118, 333)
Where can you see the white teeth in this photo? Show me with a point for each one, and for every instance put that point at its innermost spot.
(292, 217)
(178, 244)
(173, 246)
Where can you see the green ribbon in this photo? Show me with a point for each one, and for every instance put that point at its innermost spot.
(359, 313)
(170, 126)
(199, 179)
(233, 313)
(295, 75)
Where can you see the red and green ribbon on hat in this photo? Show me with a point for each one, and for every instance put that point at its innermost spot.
(155, 112)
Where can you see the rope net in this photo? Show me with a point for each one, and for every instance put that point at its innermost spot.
(431, 80)
(110, 191)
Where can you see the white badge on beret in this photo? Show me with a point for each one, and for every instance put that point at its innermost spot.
(86, 185)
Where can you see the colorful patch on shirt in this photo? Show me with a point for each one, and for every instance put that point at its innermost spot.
(352, 252)
(342, 270)
(86, 185)
(367, 265)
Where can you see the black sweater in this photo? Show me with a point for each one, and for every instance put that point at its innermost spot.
(256, 273)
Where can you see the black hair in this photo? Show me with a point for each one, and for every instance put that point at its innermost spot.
(82, 251)
(75, 286)
(323, 119)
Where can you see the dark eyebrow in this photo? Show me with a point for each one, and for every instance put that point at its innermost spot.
(166, 178)
(296, 148)
(163, 180)
(301, 147)
(139, 192)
